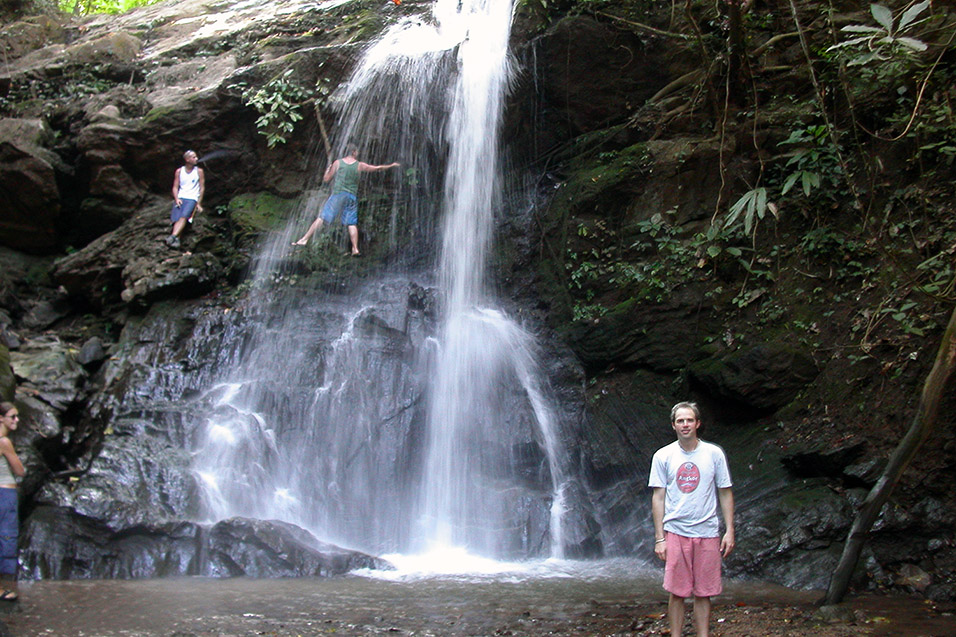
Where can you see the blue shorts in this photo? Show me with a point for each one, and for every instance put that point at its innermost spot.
(182, 212)
(344, 203)
(9, 527)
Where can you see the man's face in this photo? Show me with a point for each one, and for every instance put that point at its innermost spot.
(685, 424)
(190, 158)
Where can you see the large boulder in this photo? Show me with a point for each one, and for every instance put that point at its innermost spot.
(764, 377)
(8, 382)
(132, 264)
(185, 276)
(634, 333)
(29, 195)
(48, 367)
(570, 52)
(62, 544)
(132, 481)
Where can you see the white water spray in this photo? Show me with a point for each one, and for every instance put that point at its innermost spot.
(336, 450)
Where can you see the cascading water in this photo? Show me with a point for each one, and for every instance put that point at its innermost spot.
(361, 419)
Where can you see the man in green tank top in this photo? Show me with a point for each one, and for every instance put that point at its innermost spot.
(344, 198)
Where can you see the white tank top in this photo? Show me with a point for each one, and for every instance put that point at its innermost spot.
(6, 474)
(189, 183)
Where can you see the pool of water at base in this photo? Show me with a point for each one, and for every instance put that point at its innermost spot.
(543, 599)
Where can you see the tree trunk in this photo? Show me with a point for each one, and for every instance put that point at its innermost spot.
(735, 51)
(922, 427)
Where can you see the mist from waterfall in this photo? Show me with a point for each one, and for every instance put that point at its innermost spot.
(400, 433)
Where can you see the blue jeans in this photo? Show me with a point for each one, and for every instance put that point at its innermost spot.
(9, 528)
(344, 203)
(183, 211)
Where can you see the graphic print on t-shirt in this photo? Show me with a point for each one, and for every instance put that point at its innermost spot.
(688, 477)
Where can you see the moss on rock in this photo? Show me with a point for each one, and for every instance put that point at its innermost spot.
(255, 213)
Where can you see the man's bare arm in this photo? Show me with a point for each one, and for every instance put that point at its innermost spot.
(371, 168)
(657, 513)
(726, 497)
(330, 171)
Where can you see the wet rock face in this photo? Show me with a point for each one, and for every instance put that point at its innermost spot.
(49, 366)
(58, 543)
(165, 81)
(133, 264)
(330, 393)
(134, 481)
(29, 195)
(570, 53)
(763, 378)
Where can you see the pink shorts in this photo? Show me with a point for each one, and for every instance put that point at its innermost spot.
(692, 568)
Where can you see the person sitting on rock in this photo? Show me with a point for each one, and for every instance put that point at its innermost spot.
(343, 200)
(189, 183)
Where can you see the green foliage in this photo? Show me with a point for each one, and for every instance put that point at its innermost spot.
(750, 209)
(814, 163)
(660, 259)
(934, 130)
(940, 274)
(886, 41)
(86, 7)
(33, 95)
(814, 166)
(278, 103)
(885, 58)
(848, 256)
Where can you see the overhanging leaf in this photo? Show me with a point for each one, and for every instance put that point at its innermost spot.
(882, 15)
(910, 14)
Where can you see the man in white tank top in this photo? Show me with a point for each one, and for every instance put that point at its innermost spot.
(189, 183)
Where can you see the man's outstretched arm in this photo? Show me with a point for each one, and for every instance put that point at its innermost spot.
(371, 168)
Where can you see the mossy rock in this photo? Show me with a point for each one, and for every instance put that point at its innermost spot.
(157, 114)
(256, 213)
(8, 384)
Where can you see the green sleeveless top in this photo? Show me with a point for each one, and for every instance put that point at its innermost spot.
(346, 178)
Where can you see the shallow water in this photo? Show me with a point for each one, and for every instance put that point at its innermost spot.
(555, 597)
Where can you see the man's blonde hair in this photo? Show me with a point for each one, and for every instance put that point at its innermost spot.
(686, 405)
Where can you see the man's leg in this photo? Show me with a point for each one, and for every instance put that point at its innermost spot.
(702, 616)
(675, 613)
(315, 227)
(353, 235)
(178, 226)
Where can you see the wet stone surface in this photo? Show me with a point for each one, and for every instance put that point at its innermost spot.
(500, 605)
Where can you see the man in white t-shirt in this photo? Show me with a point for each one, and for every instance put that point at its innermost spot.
(189, 184)
(689, 478)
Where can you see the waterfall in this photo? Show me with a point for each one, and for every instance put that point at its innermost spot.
(358, 417)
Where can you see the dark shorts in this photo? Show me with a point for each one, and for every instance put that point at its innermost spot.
(9, 527)
(343, 203)
(182, 212)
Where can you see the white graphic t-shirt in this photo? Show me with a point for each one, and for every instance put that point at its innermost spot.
(690, 480)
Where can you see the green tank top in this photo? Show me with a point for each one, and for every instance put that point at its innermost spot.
(346, 178)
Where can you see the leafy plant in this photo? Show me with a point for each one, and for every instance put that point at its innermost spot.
(279, 103)
(886, 40)
(751, 208)
(815, 159)
(87, 7)
(941, 274)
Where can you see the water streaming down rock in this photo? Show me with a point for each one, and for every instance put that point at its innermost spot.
(363, 418)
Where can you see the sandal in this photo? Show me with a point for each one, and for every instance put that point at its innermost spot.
(8, 596)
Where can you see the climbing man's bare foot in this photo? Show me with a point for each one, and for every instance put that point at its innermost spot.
(300, 242)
